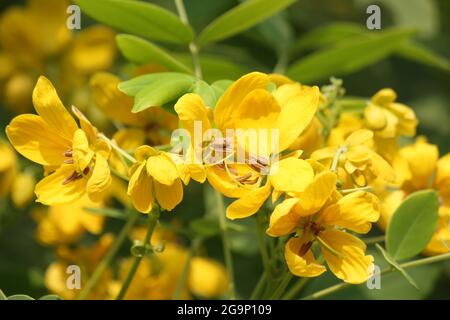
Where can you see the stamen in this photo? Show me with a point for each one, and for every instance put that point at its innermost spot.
(69, 161)
(305, 248)
(68, 153)
(73, 177)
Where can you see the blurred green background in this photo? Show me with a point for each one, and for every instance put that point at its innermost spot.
(425, 86)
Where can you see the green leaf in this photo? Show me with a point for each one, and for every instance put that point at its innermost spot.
(412, 225)
(220, 86)
(347, 58)
(141, 51)
(20, 297)
(276, 32)
(205, 91)
(133, 86)
(139, 18)
(240, 18)
(395, 265)
(2, 296)
(160, 93)
(327, 35)
(50, 297)
(416, 52)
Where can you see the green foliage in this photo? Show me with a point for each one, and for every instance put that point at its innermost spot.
(141, 51)
(241, 18)
(412, 225)
(396, 266)
(349, 57)
(157, 89)
(139, 18)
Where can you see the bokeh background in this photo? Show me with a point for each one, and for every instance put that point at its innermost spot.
(423, 86)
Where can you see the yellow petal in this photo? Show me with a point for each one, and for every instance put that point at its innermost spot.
(384, 96)
(221, 181)
(279, 79)
(191, 108)
(52, 191)
(301, 266)
(382, 169)
(162, 169)
(356, 211)
(359, 154)
(233, 96)
(283, 221)
(169, 196)
(249, 203)
(50, 108)
(33, 139)
(351, 265)
(82, 154)
(442, 179)
(296, 115)
(291, 175)
(422, 158)
(324, 153)
(144, 152)
(359, 137)
(100, 181)
(129, 139)
(140, 189)
(375, 117)
(316, 193)
(258, 110)
(407, 119)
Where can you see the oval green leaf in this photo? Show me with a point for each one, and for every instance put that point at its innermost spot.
(139, 18)
(20, 297)
(240, 18)
(349, 57)
(141, 51)
(412, 225)
(50, 297)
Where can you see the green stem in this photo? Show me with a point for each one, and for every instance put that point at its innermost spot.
(283, 285)
(296, 289)
(184, 273)
(193, 48)
(226, 244)
(373, 240)
(262, 245)
(152, 220)
(109, 256)
(259, 287)
(411, 264)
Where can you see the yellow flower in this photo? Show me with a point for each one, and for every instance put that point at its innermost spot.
(22, 189)
(76, 157)
(158, 275)
(348, 123)
(154, 179)
(318, 215)
(249, 105)
(419, 169)
(387, 118)
(8, 168)
(65, 224)
(356, 163)
(87, 258)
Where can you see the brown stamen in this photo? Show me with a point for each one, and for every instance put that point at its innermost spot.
(305, 248)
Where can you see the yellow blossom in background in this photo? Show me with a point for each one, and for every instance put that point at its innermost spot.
(8, 168)
(358, 164)
(158, 276)
(65, 224)
(76, 157)
(388, 118)
(86, 258)
(318, 215)
(423, 170)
